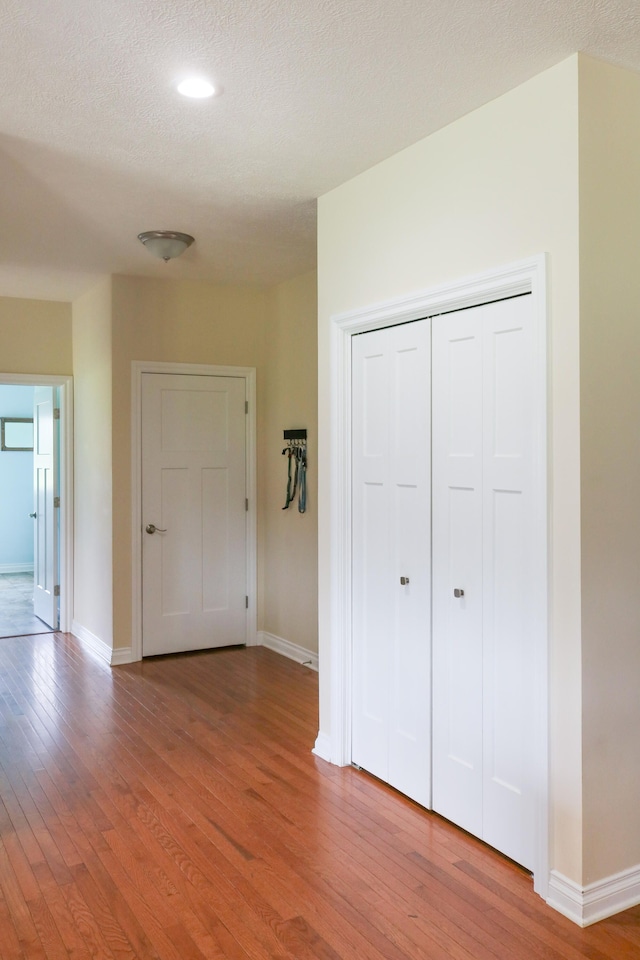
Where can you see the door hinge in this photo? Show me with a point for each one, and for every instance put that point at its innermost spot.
(246, 504)
(56, 413)
(246, 406)
(56, 501)
(246, 603)
(56, 590)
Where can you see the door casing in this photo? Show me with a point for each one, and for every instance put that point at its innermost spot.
(138, 367)
(65, 571)
(526, 276)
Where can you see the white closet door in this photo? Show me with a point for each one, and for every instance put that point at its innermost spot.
(482, 545)
(509, 600)
(391, 536)
(457, 565)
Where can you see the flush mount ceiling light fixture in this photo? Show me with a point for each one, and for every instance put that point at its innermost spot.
(197, 88)
(165, 244)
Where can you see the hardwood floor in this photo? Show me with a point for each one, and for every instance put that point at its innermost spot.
(172, 810)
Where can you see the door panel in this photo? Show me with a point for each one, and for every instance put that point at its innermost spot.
(176, 576)
(483, 540)
(45, 472)
(391, 524)
(217, 548)
(508, 550)
(193, 491)
(457, 564)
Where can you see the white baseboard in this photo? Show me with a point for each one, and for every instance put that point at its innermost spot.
(101, 649)
(120, 655)
(596, 901)
(16, 567)
(322, 747)
(93, 643)
(288, 649)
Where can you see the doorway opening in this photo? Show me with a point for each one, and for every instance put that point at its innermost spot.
(35, 501)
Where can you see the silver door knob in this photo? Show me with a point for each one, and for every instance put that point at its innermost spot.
(404, 581)
(33, 516)
(458, 593)
(151, 528)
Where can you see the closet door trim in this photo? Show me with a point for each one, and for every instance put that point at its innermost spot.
(526, 276)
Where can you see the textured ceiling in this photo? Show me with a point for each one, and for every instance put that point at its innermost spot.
(96, 145)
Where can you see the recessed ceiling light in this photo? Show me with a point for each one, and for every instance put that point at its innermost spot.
(196, 88)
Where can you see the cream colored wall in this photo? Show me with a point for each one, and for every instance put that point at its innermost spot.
(610, 442)
(182, 322)
(92, 607)
(35, 337)
(498, 185)
(291, 538)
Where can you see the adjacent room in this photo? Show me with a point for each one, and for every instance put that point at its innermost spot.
(29, 518)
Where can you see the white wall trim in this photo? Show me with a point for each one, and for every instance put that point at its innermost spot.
(138, 367)
(527, 276)
(120, 655)
(65, 573)
(91, 642)
(99, 648)
(587, 905)
(292, 651)
(322, 747)
(16, 567)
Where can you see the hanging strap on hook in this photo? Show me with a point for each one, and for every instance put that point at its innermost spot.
(302, 497)
(288, 452)
(293, 469)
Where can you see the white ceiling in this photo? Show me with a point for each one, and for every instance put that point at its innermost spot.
(96, 145)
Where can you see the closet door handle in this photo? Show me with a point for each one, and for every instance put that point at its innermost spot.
(458, 592)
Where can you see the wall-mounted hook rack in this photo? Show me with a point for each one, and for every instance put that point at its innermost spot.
(295, 435)
(296, 451)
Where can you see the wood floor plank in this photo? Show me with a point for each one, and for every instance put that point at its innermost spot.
(10, 944)
(57, 904)
(46, 929)
(172, 810)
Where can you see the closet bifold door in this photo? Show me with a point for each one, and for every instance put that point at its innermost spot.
(391, 501)
(457, 566)
(482, 551)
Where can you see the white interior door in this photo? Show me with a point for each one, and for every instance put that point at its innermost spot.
(457, 565)
(391, 537)
(194, 512)
(45, 480)
(483, 549)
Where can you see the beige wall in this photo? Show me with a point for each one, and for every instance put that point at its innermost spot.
(182, 322)
(92, 608)
(128, 318)
(35, 337)
(291, 538)
(610, 441)
(498, 185)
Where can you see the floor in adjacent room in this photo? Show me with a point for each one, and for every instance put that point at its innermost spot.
(16, 606)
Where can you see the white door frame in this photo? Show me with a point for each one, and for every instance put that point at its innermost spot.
(527, 276)
(65, 571)
(138, 367)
